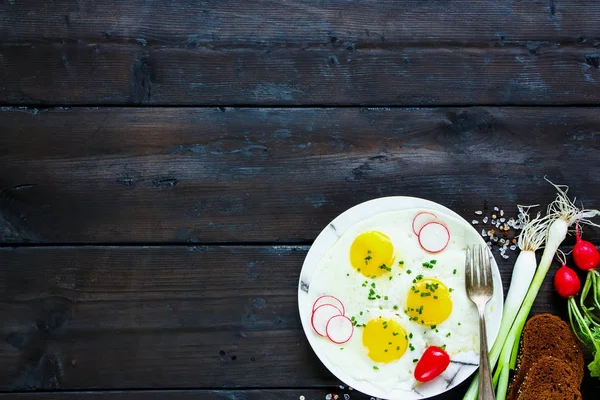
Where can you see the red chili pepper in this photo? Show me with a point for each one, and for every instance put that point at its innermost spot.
(433, 362)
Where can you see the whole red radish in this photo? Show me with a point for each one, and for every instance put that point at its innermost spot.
(585, 254)
(566, 282)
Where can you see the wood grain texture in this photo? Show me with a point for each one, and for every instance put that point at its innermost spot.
(258, 23)
(120, 74)
(267, 394)
(114, 175)
(82, 318)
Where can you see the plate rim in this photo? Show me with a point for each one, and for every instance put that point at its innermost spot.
(356, 214)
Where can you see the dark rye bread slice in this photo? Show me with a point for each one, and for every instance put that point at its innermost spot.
(547, 335)
(549, 379)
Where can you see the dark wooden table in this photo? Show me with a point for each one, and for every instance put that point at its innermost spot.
(166, 165)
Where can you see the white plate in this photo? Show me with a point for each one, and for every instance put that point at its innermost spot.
(330, 235)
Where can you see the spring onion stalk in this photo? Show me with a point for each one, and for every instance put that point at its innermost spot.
(530, 239)
(562, 213)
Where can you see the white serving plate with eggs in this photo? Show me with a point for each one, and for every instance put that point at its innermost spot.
(327, 271)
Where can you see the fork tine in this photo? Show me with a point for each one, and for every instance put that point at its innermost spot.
(468, 268)
(481, 266)
(488, 268)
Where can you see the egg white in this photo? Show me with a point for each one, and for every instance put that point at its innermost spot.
(335, 276)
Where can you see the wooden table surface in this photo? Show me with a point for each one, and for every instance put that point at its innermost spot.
(166, 165)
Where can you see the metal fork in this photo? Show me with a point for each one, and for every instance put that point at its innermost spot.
(480, 288)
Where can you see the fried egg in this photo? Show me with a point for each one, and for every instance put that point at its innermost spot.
(400, 298)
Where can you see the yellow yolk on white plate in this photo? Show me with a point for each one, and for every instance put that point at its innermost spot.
(385, 340)
(372, 254)
(428, 302)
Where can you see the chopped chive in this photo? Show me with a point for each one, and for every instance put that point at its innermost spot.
(375, 367)
(454, 272)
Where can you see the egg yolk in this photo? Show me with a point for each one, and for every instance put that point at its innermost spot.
(428, 302)
(372, 254)
(384, 339)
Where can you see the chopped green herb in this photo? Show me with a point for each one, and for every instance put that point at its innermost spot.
(395, 333)
(451, 290)
(454, 272)
(415, 360)
(361, 313)
(411, 347)
(375, 367)
(391, 278)
(433, 326)
(383, 266)
(385, 350)
(433, 262)
(435, 297)
(427, 265)
(448, 334)
(410, 335)
(400, 262)
(385, 297)
(425, 294)
(408, 271)
(395, 307)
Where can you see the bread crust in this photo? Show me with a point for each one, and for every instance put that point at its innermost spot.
(547, 343)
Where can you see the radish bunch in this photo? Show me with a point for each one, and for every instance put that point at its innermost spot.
(585, 320)
(329, 320)
(433, 236)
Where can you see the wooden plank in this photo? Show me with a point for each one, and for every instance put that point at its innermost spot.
(82, 318)
(268, 22)
(119, 74)
(267, 394)
(115, 175)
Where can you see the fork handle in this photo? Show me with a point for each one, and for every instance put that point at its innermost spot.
(486, 390)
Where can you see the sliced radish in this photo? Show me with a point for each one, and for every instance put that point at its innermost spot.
(334, 301)
(421, 219)
(321, 316)
(339, 329)
(434, 237)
